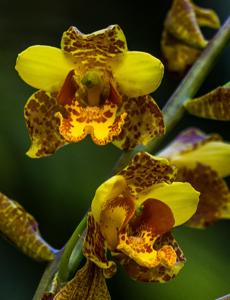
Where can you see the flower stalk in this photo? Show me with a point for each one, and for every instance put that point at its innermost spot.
(173, 111)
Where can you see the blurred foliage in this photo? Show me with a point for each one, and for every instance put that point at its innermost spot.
(58, 190)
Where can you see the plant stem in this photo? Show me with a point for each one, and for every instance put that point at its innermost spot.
(63, 272)
(173, 111)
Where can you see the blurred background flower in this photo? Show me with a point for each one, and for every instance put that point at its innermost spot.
(58, 190)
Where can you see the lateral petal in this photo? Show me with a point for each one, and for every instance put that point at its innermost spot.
(43, 67)
(137, 73)
(180, 197)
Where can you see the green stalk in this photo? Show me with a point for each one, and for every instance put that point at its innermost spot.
(173, 111)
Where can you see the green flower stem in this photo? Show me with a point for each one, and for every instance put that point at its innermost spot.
(64, 267)
(173, 112)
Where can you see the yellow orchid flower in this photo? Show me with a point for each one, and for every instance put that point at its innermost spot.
(92, 85)
(182, 40)
(132, 215)
(203, 161)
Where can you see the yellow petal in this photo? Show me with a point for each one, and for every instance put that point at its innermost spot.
(215, 154)
(214, 194)
(22, 229)
(214, 105)
(43, 67)
(181, 198)
(144, 121)
(110, 189)
(137, 73)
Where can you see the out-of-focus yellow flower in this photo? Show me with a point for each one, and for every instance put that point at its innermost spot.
(92, 85)
(213, 105)
(182, 40)
(132, 215)
(203, 161)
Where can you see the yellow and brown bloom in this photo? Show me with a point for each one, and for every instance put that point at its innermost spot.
(132, 215)
(182, 40)
(203, 161)
(92, 85)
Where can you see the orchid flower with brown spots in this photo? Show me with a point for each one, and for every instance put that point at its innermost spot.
(92, 85)
(182, 40)
(132, 215)
(203, 161)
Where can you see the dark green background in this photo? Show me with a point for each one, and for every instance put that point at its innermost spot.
(58, 190)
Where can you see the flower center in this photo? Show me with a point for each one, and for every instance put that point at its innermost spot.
(96, 88)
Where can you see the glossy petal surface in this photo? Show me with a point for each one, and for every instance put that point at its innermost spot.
(43, 67)
(137, 73)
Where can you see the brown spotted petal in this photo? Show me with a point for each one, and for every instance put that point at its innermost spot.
(214, 105)
(144, 122)
(42, 125)
(145, 170)
(101, 122)
(206, 17)
(155, 219)
(96, 48)
(214, 197)
(22, 229)
(160, 273)
(181, 22)
(188, 140)
(178, 55)
(95, 248)
(88, 284)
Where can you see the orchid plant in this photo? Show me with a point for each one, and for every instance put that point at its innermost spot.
(93, 85)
